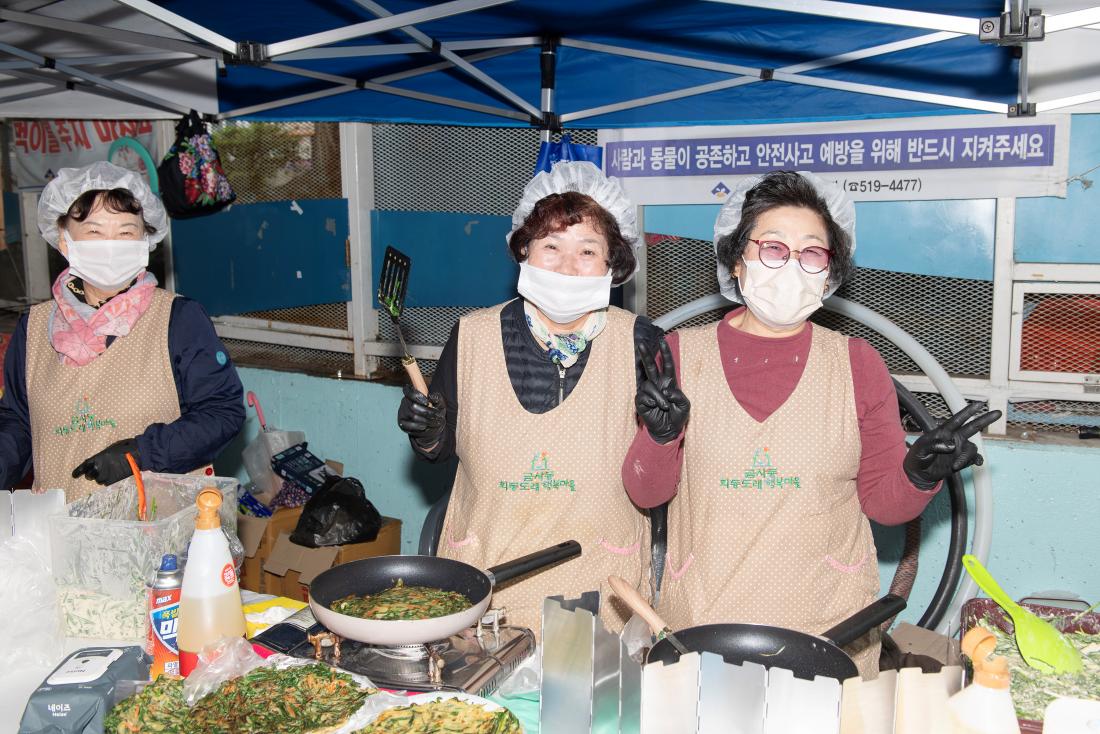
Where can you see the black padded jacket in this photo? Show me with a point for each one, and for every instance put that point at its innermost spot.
(538, 383)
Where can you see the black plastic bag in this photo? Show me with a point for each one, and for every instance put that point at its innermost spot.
(337, 514)
(192, 181)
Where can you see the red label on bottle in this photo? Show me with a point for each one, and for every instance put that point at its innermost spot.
(188, 662)
(229, 576)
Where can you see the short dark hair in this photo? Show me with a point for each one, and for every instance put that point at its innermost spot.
(558, 212)
(120, 201)
(787, 188)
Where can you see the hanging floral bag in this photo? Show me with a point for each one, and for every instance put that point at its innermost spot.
(192, 180)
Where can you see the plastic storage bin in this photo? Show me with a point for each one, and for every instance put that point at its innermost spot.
(103, 557)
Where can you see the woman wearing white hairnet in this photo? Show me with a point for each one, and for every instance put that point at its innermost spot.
(535, 397)
(795, 438)
(112, 365)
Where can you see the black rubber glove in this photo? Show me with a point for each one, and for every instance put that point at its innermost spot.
(659, 401)
(946, 449)
(109, 465)
(422, 417)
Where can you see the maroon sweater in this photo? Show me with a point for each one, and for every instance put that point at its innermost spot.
(762, 373)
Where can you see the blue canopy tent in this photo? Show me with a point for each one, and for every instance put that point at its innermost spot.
(617, 63)
(604, 63)
(541, 63)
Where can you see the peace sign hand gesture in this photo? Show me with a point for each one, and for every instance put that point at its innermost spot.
(946, 449)
(659, 401)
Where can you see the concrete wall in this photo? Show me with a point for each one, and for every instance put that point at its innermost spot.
(1046, 506)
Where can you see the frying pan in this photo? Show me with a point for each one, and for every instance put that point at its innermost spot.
(773, 647)
(777, 647)
(372, 575)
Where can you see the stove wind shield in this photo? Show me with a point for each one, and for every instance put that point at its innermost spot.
(589, 682)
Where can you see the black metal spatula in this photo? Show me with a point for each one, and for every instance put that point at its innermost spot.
(393, 283)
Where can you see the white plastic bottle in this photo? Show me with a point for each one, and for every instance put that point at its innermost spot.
(985, 706)
(210, 600)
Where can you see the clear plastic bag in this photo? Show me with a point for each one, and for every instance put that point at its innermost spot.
(637, 637)
(229, 657)
(31, 631)
(104, 558)
(525, 679)
(257, 460)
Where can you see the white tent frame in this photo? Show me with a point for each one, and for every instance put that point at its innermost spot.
(280, 56)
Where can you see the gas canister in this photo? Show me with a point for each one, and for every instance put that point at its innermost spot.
(164, 609)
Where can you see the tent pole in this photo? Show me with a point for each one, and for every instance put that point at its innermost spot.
(658, 98)
(95, 79)
(182, 24)
(448, 55)
(58, 84)
(114, 34)
(868, 13)
(548, 65)
(388, 49)
(439, 66)
(348, 84)
(940, 99)
(372, 27)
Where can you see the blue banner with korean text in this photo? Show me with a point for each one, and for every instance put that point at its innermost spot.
(969, 156)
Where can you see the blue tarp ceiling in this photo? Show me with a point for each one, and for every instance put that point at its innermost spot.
(708, 31)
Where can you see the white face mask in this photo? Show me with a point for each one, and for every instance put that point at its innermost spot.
(781, 297)
(107, 264)
(563, 298)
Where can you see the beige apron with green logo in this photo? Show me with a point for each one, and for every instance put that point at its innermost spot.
(767, 526)
(76, 412)
(526, 482)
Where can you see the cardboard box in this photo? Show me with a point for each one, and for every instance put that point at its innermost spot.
(290, 567)
(258, 536)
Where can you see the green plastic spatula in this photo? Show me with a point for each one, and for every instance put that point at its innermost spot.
(1042, 646)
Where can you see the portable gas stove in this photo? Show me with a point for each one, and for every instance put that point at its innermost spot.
(463, 662)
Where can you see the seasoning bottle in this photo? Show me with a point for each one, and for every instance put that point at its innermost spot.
(985, 706)
(210, 600)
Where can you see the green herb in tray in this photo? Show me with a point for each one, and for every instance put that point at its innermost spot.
(1033, 689)
(446, 715)
(293, 700)
(159, 707)
(403, 602)
(267, 700)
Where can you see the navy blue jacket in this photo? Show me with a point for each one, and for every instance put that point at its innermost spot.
(209, 390)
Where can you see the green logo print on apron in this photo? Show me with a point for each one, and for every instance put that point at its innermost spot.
(763, 474)
(539, 477)
(84, 419)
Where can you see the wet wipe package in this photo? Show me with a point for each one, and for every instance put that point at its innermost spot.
(75, 697)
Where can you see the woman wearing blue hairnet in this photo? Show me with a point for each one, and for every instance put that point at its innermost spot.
(794, 439)
(111, 365)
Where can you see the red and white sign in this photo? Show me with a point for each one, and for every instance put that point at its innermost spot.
(40, 147)
(229, 576)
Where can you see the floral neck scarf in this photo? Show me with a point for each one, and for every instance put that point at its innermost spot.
(78, 332)
(564, 349)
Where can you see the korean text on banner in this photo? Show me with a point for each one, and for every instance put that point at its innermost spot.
(956, 157)
(40, 147)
